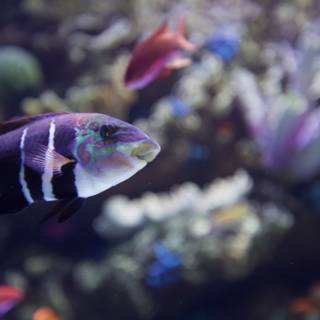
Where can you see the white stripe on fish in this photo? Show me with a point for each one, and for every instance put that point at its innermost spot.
(22, 178)
(47, 176)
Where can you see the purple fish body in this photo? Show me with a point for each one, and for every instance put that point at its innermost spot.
(10, 159)
(67, 157)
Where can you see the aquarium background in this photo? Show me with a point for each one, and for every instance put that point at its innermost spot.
(225, 223)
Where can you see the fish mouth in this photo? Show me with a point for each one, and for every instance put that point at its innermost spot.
(146, 151)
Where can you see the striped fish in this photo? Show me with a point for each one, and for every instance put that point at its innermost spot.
(67, 157)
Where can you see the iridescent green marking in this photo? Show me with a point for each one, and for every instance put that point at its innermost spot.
(91, 149)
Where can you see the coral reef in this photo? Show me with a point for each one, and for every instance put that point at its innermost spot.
(187, 199)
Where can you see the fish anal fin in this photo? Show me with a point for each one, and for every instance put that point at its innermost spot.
(40, 158)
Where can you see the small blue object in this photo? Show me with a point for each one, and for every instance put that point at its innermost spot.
(198, 152)
(309, 194)
(166, 256)
(179, 107)
(164, 270)
(224, 45)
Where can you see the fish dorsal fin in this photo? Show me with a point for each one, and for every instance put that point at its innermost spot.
(160, 30)
(19, 122)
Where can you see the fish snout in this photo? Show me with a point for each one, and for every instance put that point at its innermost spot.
(146, 150)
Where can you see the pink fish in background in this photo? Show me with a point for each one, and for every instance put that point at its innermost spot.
(9, 297)
(157, 55)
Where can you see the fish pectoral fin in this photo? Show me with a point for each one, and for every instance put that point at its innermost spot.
(178, 63)
(70, 209)
(40, 158)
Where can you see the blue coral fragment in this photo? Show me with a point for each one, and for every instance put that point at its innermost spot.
(179, 107)
(164, 270)
(224, 45)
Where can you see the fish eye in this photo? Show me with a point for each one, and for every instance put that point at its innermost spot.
(107, 130)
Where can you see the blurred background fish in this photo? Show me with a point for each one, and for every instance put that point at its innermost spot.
(9, 297)
(157, 55)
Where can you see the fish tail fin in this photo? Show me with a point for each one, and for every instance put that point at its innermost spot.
(181, 28)
(181, 39)
(187, 45)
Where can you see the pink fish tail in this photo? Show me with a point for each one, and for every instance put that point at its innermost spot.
(186, 45)
(180, 33)
(181, 28)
